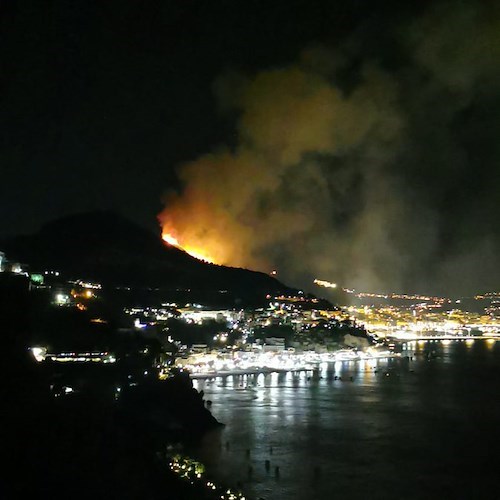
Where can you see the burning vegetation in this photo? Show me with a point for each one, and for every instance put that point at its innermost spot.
(193, 251)
(330, 159)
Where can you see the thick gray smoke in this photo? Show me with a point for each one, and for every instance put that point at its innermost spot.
(376, 176)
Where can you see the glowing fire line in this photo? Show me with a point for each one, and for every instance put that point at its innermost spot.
(197, 254)
(171, 240)
(325, 284)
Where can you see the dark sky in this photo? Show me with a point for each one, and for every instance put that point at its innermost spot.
(102, 101)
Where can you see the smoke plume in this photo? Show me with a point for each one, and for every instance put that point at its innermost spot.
(349, 167)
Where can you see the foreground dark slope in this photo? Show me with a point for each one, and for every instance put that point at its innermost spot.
(106, 247)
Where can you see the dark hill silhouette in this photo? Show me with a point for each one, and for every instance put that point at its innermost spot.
(106, 247)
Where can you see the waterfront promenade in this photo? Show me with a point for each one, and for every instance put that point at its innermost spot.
(243, 363)
(280, 363)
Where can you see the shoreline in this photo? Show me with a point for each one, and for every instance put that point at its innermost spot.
(304, 363)
(269, 370)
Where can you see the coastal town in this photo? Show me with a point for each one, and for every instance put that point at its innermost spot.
(289, 332)
(145, 356)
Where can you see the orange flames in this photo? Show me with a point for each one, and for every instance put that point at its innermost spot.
(171, 240)
(195, 252)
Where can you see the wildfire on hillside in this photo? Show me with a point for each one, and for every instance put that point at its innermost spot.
(325, 284)
(197, 253)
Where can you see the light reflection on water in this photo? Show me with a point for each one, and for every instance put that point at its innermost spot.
(370, 429)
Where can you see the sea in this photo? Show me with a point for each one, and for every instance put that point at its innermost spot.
(425, 425)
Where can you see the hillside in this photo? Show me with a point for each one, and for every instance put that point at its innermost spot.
(106, 247)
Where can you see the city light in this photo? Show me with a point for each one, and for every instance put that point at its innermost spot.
(39, 353)
(62, 299)
(244, 362)
(193, 472)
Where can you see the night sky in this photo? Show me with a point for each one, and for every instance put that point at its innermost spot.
(386, 168)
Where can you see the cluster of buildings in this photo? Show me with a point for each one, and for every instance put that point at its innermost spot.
(282, 336)
(10, 266)
(290, 324)
(302, 324)
(425, 317)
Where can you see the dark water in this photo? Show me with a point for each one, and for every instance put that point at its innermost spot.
(426, 428)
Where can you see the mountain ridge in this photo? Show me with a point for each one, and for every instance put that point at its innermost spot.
(107, 247)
